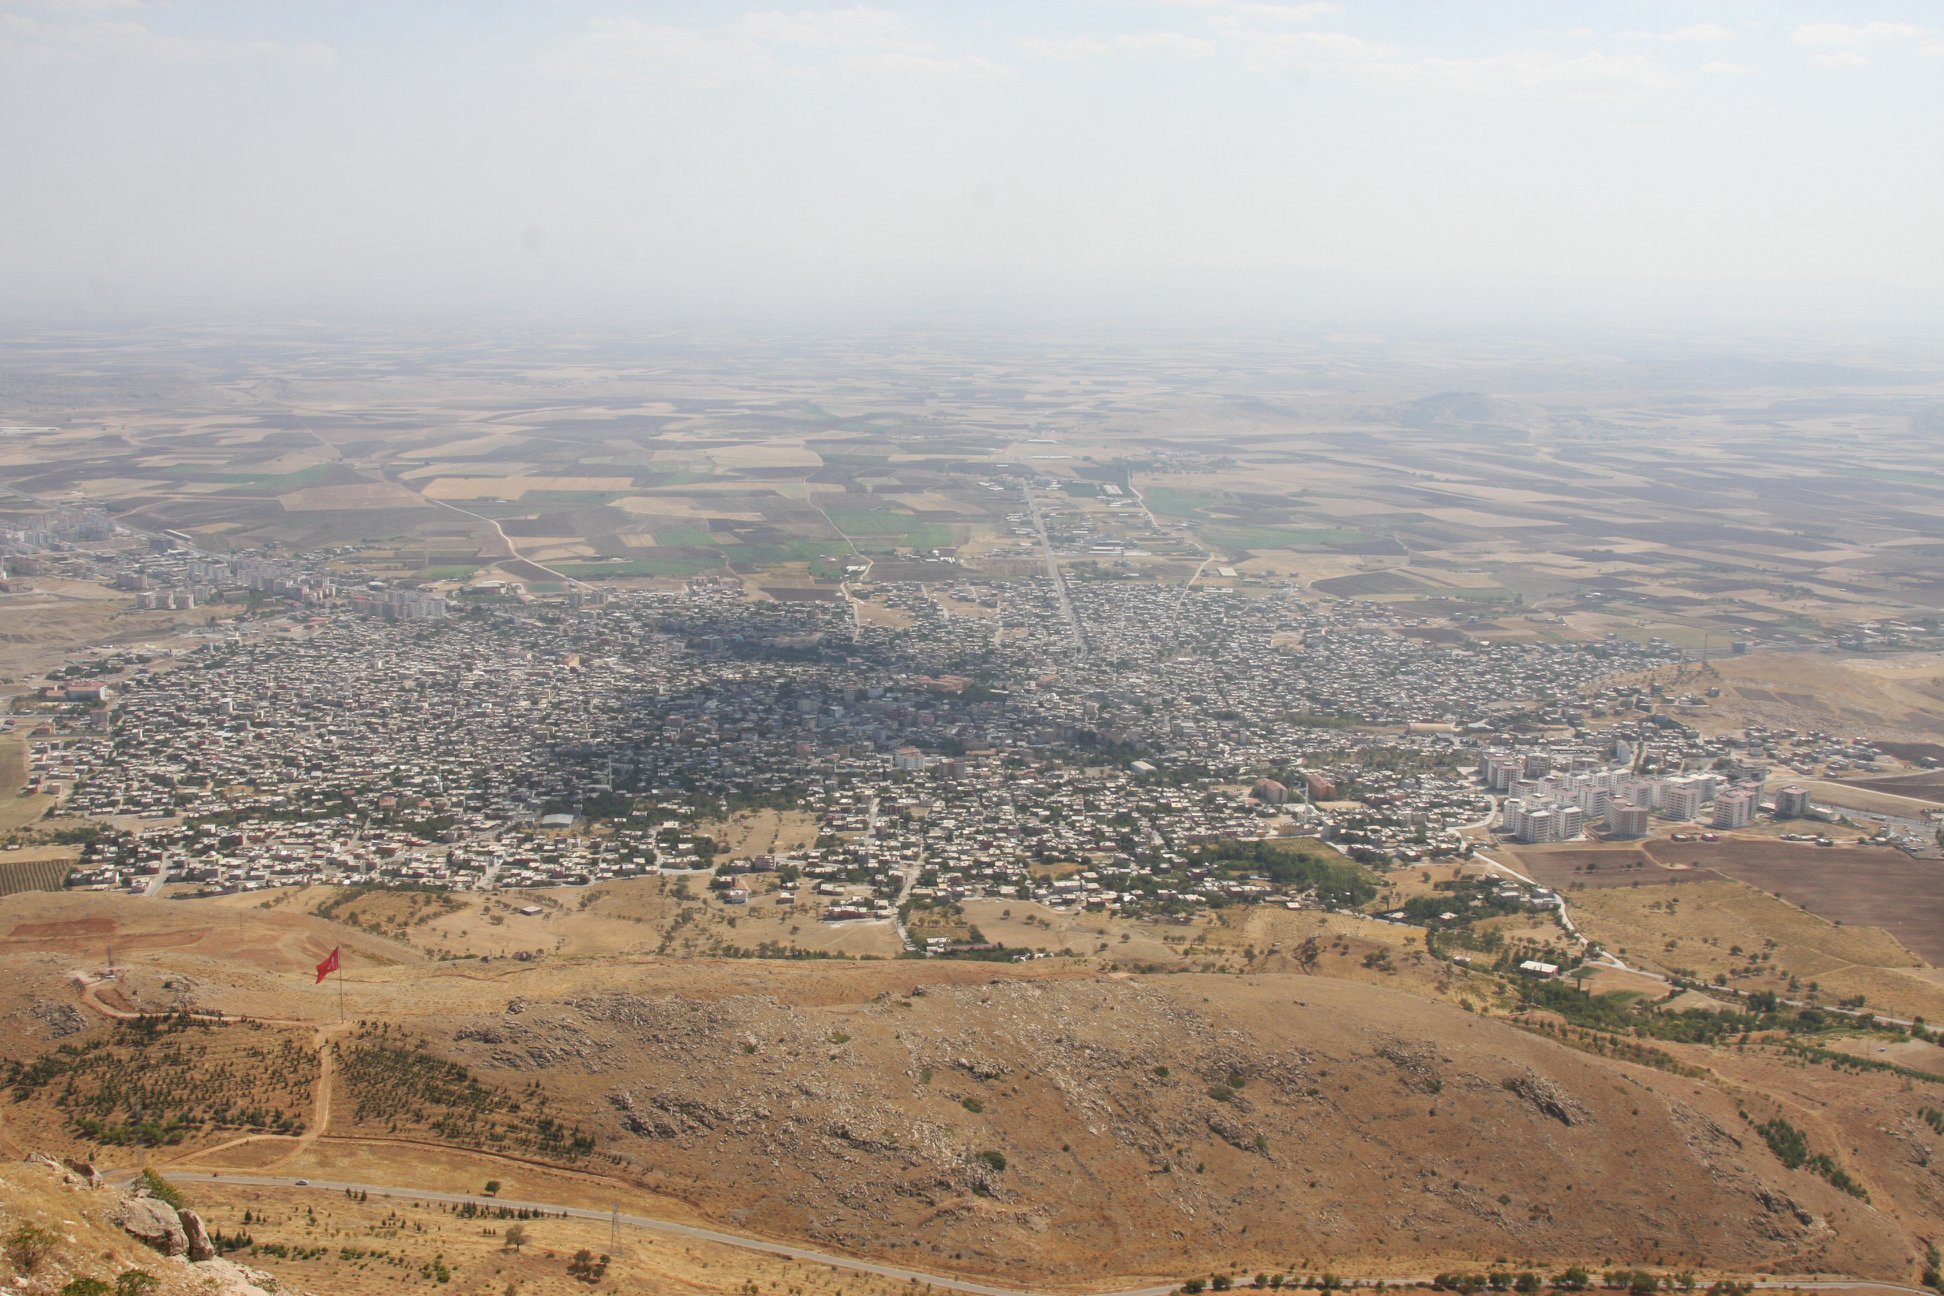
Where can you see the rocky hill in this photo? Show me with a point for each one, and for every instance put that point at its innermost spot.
(1052, 1124)
(61, 1226)
(1090, 1126)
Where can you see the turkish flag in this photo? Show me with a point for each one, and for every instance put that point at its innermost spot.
(328, 966)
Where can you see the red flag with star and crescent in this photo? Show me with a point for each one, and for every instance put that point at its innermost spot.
(328, 966)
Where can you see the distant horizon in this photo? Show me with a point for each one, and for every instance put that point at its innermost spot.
(1726, 315)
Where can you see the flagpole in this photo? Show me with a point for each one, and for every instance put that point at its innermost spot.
(340, 981)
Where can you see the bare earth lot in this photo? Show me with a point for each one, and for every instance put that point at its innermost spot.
(1867, 886)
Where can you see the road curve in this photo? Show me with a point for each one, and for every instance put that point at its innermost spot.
(651, 1224)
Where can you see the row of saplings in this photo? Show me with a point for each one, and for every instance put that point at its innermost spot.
(1637, 1282)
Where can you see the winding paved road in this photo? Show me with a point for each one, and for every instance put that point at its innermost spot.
(649, 1223)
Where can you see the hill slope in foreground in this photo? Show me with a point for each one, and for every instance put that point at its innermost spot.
(1040, 1125)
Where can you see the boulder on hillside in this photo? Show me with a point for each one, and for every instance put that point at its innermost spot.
(86, 1170)
(154, 1223)
(69, 1169)
(200, 1247)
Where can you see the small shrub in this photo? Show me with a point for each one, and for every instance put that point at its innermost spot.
(86, 1286)
(27, 1246)
(997, 1160)
(160, 1189)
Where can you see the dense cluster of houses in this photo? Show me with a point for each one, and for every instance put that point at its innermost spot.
(963, 751)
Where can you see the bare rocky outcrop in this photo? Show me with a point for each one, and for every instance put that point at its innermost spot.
(60, 1019)
(199, 1246)
(100, 1227)
(153, 1223)
(1547, 1098)
(86, 1170)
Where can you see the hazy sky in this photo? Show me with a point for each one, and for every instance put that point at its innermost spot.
(554, 148)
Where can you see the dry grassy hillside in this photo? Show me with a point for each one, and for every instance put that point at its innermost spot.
(58, 1229)
(1897, 696)
(1758, 942)
(1278, 1118)
(1041, 1123)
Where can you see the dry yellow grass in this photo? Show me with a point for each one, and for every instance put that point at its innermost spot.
(762, 832)
(87, 1243)
(58, 616)
(829, 1102)
(18, 809)
(393, 1240)
(672, 505)
(356, 495)
(1900, 697)
(673, 915)
(514, 486)
(1707, 921)
(765, 454)
(878, 614)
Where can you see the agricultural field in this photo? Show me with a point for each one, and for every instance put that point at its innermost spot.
(34, 870)
(791, 461)
(1578, 867)
(1865, 886)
